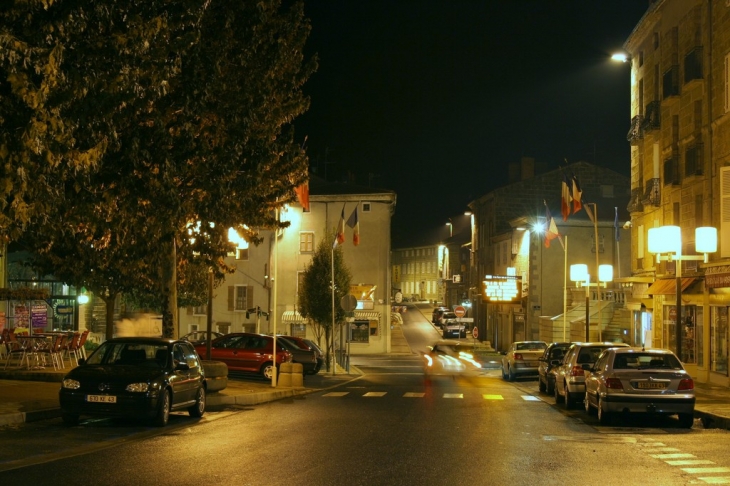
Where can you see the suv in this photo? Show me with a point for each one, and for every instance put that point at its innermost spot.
(570, 375)
(552, 358)
(450, 325)
(436, 315)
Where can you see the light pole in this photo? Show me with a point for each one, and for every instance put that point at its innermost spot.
(579, 274)
(666, 242)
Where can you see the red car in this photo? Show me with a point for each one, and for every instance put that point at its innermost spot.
(252, 353)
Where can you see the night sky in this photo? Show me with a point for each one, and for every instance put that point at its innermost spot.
(433, 99)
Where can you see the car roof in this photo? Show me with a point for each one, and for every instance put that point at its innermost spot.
(601, 343)
(143, 340)
(628, 350)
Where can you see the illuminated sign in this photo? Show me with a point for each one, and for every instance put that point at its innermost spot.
(502, 288)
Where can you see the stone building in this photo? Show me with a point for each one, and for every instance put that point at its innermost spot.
(680, 176)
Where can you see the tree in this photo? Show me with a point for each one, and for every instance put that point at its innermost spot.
(315, 296)
(141, 117)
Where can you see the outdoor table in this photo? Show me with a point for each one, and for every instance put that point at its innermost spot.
(32, 344)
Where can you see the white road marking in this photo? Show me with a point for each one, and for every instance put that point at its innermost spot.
(413, 395)
(453, 395)
(530, 398)
(335, 394)
(716, 480)
(690, 462)
(678, 455)
(493, 397)
(375, 394)
(705, 470)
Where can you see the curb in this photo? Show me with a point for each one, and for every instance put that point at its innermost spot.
(712, 421)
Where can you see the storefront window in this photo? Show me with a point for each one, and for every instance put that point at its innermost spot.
(689, 331)
(718, 339)
(642, 329)
(299, 330)
(360, 331)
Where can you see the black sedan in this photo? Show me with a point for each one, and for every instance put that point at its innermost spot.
(137, 378)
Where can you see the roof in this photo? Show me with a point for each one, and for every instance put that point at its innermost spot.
(321, 187)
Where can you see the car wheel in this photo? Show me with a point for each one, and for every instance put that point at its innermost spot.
(267, 370)
(566, 397)
(70, 418)
(163, 410)
(603, 417)
(511, 374)
(504, 375)
(686, 420)
(550, 387)
(198, 409)
(541, 385)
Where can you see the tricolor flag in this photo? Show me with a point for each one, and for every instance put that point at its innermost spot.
(551, 231)
(340, 237)
(567, 200)
(615, 224)
(354, 223)
(302, 192)
(577, 195)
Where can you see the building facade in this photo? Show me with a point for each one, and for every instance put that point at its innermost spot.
(680, 176)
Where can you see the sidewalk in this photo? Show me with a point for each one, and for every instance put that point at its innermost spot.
(27, 396)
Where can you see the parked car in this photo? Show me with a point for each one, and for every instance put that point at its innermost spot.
(521, 359)
(450, 325)
(301, 353)
(636, 380)
(552, 357)
(135, 377)
(570, 375)
(248, 352)
(436, 315)
(200, 337)
(320, 352)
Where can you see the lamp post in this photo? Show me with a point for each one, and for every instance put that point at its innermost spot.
(666, 243)
(450, 224)
(579, 274)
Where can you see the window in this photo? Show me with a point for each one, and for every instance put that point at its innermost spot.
(366, 207)
(241, 253)
(607, 190)
(306, 242)
(693, 163)
(727, 82)
(362, 329)
(240, 297)
(299, 330)
(693, 65)
(200, 310)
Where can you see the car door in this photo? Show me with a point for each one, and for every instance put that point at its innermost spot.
(594, 377)
(180, 377)
(228, 350)
(561, 371)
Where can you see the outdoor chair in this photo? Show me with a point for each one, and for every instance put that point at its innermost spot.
(53, 351)
(82, 343)
(15, 349)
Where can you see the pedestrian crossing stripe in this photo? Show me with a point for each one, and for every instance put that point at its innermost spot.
(413, 395)
(375, 394)
(335, 394)
(493, 397)
(453, 395)
(530, 398)
(716, 480)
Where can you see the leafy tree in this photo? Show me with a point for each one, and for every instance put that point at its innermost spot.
(315, 296)
(138, 118)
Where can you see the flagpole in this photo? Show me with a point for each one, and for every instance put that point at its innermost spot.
(332, 267)
(565, 287)
(598, 289)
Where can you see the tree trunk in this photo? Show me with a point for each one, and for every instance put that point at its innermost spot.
(169, 291)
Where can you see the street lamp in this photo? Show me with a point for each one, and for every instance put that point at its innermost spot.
(579, 274)
(666, 242)
(450, 224)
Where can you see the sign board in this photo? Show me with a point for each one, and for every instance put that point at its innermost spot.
(348, 302)
(456, 278)
(464, 319)
(502, 288)
(475, 332)
(459, 311)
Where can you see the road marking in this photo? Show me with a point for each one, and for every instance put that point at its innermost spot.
(413, 395)
(716, 480)
(453, 395)
(335, 394)
(679, 455)
(530, 398)
(661, 449)
(493, 397)
(591, 438)
(375, 394)
(704, 470)
(690, 462)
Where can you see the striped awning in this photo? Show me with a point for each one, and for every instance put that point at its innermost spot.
(668, 286)
(292, 316)
(371, 316)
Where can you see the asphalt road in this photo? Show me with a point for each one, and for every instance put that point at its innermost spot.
(386, 428)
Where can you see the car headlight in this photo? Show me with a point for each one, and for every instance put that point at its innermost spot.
(71, 384)
(138, 387)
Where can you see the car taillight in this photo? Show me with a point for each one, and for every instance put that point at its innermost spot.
(577, 371)
(686, 384)
(614, 383)
(518, 357)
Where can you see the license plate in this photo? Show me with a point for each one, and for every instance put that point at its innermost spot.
(101, 398)
(651, 385)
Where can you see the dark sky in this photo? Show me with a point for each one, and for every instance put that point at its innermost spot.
(433, 99)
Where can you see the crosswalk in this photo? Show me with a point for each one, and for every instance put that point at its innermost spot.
(706, 471)
(458, 396)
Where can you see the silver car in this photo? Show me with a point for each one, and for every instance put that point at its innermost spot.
(570, 375)
(637, 380)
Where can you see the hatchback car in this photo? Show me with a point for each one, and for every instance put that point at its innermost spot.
(248, 352)
(552, 357)
(200, 337)
(301, 353)
(570, 375)
(637, 380)
(137, 378)
(451, 326)
(436, 315)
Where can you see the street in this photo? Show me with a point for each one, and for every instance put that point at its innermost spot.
(386, 427)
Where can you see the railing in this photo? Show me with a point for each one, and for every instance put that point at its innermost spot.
(635, 204)
(635, 132)
(652, 118)
(652, 193)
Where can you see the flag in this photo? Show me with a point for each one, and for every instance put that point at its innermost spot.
(577, 195)
(551, 231)
(354, 223)
(340, 238)
(615, 225)
(565, 204)
(302, 192)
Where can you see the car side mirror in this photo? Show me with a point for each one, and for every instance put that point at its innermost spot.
(182, 366)
(82, 361)
(555, 362)
(587, 366)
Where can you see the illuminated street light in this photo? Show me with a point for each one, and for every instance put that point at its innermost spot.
(620, 57)
(666, 242)
(579, 274)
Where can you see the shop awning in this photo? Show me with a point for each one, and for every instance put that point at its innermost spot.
(371, 316)
(292, 316)
(668, 286)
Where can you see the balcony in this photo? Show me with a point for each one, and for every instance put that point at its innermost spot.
(693, 65)
(652, 117)
(635, 205)
(635, 132)
(652, 193)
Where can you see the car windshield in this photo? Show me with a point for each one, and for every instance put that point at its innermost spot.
(531, 346)
(590, 355)
(642, 361)
(144, 354)
(449, 315)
